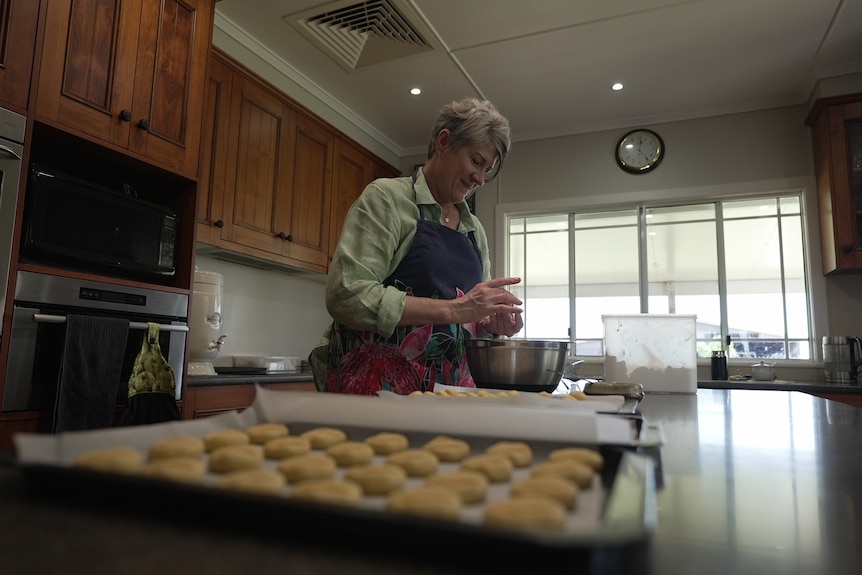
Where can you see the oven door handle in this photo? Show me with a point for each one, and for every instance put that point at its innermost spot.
(9, 152)
(46, 318)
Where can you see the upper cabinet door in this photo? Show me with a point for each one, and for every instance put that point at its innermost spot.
(837, 135)
(306, 232)
(131, 73)
(18, 19)
(88, 66)
(170, 83)
(257, 194)
(212, 180)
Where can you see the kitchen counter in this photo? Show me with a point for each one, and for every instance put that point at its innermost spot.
(236, 379)
(781, 385)
(752, 482)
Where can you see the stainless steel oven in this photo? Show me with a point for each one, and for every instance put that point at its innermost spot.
(11, 151)
(36, 340)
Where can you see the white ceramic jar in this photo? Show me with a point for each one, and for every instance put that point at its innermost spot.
(205, 322)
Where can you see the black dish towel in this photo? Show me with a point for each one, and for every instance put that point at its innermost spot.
(90, 372)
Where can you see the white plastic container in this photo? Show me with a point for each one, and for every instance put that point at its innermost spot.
(657, 351)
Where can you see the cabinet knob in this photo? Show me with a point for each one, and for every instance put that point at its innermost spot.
(125, 115)
(287, 237)
(848, 248)
(219, 223)
(144, 124)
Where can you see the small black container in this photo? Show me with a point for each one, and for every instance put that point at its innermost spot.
(719, 365)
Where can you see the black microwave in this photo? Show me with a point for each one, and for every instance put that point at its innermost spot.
(81, 225)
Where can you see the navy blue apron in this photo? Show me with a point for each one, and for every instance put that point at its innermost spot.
(441, 263)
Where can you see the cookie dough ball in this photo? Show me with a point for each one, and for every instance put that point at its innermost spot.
(416, 462)
(426, 501)
(493, 466)
(471, 486)
(331, 491)
(519, 452)
(111, 459)
(578, 473)
(387, 442)
(323, 437)
(263, 481)
(181, 446)
(224, 437)
(558, 488)
(181, 469)
(585, 455)
(235, 458)
(263, 432)
(284, 447)
(306, 467)
(577, 394)
(377, 479)
(448, 448)
(349, 453)
(525, 513)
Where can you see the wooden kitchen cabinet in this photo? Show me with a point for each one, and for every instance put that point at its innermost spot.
(837, 135)
(129, 73)
(214, 151)
(275, 181)
(278, 165)
(206, 400)
(18, 20)
(354, 169)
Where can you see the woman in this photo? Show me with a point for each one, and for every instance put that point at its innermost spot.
(410, 279)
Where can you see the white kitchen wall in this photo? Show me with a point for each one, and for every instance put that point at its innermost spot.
(267, 312)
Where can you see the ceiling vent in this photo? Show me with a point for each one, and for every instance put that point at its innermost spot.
(362, 34)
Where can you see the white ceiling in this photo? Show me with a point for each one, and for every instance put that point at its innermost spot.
(548, 64)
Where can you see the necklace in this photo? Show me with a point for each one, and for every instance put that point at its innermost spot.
(446, 213)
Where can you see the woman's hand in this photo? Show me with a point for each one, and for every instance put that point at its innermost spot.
(488, 302)
(507, 324)
(491, 300)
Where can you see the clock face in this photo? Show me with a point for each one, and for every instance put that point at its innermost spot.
(639, 151)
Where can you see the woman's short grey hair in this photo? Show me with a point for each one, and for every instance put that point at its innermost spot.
(474, 122)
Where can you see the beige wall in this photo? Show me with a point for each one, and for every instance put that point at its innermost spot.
(735, 154)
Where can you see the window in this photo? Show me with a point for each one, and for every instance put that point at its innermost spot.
(739, 265)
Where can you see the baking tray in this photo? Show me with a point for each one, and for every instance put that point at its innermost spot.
(623, 500)
(614, 517)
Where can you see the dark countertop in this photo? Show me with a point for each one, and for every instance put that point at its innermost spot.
(781, 385)
(776, 385)
(752, 482)
(236, 379)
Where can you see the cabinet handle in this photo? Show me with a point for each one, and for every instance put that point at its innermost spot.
(144, 125)
(125, 115)
(219, 223)
(287, 237)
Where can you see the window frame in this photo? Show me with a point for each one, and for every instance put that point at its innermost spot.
(805, 187)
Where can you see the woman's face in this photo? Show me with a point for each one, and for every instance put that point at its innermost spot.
(464, 169)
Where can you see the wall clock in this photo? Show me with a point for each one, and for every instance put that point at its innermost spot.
(639, 151)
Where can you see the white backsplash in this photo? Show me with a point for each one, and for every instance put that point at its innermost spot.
(267, 312)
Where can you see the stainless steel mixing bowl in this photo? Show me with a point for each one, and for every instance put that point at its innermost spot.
(522, 364)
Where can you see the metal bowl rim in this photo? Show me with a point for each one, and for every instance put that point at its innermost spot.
(523, 343)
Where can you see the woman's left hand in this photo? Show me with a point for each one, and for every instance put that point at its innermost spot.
(507, 324)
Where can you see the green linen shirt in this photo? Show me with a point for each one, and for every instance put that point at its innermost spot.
(378, 231)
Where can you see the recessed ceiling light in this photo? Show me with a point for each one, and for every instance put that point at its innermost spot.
(617, 87)
(415, 91)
